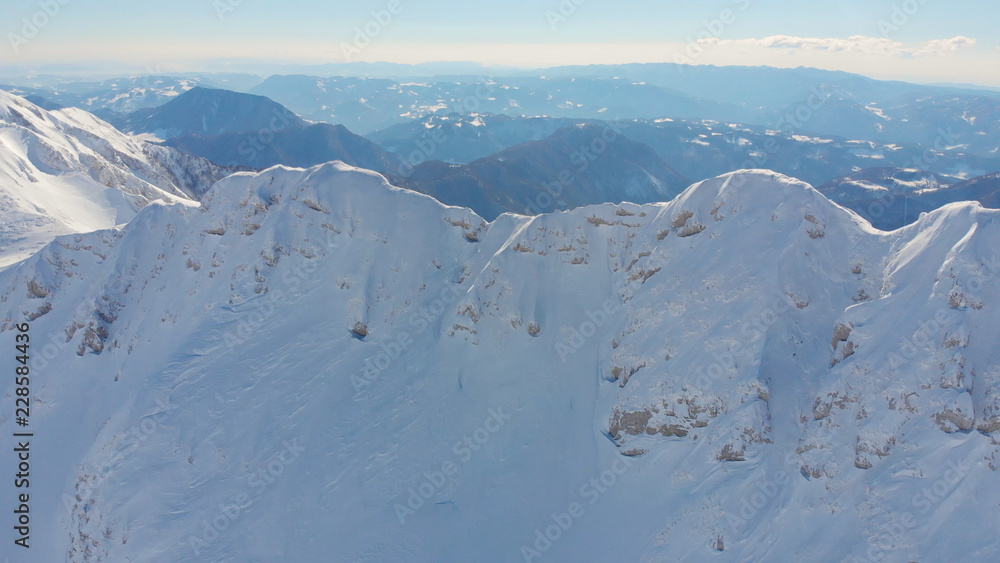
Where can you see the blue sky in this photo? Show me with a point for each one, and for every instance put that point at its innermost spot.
(935, 41)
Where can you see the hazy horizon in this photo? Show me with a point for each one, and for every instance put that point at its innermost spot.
(362, 69)
(916, 41)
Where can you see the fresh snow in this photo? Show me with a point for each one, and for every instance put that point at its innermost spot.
(67, 171)
(748, 372)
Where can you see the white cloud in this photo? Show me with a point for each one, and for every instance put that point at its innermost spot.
(955, 43)
(855, 44)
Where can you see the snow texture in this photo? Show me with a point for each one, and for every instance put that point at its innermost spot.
(314, 365)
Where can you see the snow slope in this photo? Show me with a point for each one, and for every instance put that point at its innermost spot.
(66, 171)
(316, 366)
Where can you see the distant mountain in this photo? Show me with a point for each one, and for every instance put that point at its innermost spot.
(697, 149)
(210, 111)
(851, 172)
(595, 163)
(361, 104)
(984, 189)
(800, 100)
(113, 97)
(759, 86)
(950, 123)
(794, 100)
(575, 166)
(462, 138)
(887, 197)
(890, 198)
(704, 149)
(367, 104)
(43, 103)
(301, 146)
(971, 123)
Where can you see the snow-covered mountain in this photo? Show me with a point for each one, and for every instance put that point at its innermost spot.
(117, 96)
(317, 366)
(67, 171)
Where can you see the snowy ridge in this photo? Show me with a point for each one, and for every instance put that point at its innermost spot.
(170, 170)
(288, 369)
(67, 171)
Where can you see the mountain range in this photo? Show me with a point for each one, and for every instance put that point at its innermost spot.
(747, 372)
(496, 163)
(599, 314)
(517, 162)
(800, 100)
(696, 148)
(890, 198)
(815, 101)
(251, 132)
(575, 166)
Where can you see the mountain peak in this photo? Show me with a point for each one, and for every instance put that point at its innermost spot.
(744, 329)
(210, 111)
